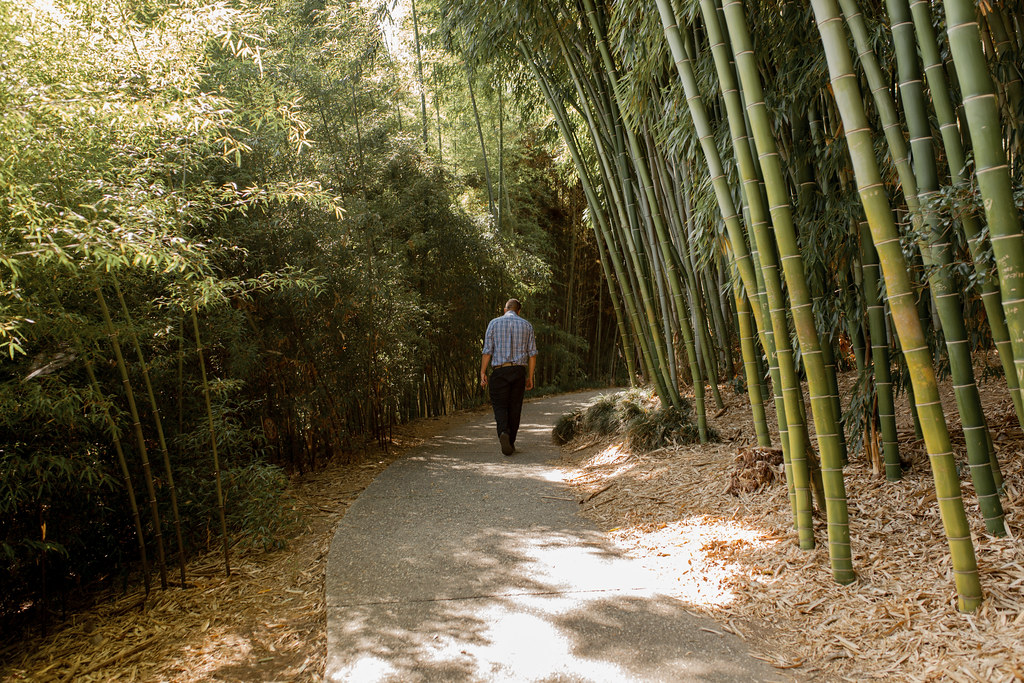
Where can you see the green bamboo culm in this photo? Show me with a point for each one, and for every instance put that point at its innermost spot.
(419, 71)
(806, 183)
(604, 225)
(613, 294)
(602, 230)
(717, 307)
(938, 257)
(885, 108)
(748, 349)
(831, 374)
(949, 128)
(617, 183)
(794, 456)
(880, 355)
(683, 218)
(680, 216)
(792, 431)
(993, 174)
(644, 178)
(635, 291)
(604, 122)
(483, 147)
(825, 420)
(213, 440)
(920, 183)
(139, 437)
(159, 432)
(901, 297)
(115, 437)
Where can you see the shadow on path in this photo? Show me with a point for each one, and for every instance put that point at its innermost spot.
(458, 564)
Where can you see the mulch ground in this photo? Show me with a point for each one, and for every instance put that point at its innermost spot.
(734, 554)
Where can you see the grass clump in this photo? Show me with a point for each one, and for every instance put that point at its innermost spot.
(567, 427)
(636, 414)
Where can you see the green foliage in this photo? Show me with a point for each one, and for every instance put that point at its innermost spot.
(259, 507)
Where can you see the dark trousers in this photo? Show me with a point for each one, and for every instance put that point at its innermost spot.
(507, 387)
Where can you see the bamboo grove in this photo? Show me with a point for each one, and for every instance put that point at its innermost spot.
(240, 240)
(783, 190)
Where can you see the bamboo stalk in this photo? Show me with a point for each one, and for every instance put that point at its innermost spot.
(139, 437)
(880, 355)
(648, 193)
(213, 440)
(938, 254)
(743, 316)
(483, 146)
(618, 184)
(601, 222)
(938, 86)
(776, 346)
(992, 172)
(122, 463)
(800, 299)
(901, 298)
(159, 432)
(419, 71)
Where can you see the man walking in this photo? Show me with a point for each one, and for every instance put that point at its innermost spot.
(511, 349)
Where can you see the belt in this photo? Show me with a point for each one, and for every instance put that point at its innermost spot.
(504, 365)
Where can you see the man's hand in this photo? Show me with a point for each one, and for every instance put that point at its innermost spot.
(484, 360)
(529, 382)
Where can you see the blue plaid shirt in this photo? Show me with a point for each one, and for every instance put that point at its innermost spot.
(509, 339)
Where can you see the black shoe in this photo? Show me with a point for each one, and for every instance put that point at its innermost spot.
(506, 444)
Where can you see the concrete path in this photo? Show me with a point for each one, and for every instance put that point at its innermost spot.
(459, 564)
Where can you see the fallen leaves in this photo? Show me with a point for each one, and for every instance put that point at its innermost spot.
(734, 557)
(266, 622)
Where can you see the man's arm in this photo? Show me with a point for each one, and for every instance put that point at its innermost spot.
(488, 351)
(531, 348)
(484, 360)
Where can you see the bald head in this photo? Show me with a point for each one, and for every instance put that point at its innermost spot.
(513, 305)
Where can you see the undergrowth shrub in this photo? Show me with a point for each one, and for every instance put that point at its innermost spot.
(635, 414)
(261, 510)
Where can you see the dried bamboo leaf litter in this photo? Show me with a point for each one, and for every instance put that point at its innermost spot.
(267, 622)
(735, 557)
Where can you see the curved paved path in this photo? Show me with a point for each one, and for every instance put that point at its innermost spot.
(459, 564)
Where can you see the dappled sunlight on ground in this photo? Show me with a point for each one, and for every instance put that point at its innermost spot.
(692, 549)
(550, 560)
(611, 462)
(733, 554)
(613, 454)
(696, 555)
(488, 573)
(220, 650)
(506, 468)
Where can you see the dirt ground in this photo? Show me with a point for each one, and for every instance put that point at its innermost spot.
(734, 558)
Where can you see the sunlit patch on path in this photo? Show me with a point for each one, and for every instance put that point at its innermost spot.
(460, 564)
